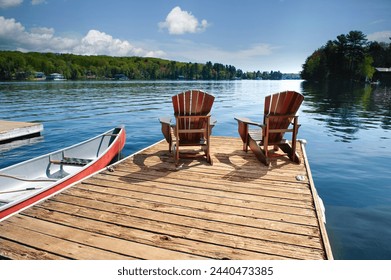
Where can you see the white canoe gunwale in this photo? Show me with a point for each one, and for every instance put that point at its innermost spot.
(25, 183)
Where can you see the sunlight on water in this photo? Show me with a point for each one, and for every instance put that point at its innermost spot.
(348, 130)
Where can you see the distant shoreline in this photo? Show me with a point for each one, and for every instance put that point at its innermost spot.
(21, 66)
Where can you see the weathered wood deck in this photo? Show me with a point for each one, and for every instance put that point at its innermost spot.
(145, 209)
(10, 130)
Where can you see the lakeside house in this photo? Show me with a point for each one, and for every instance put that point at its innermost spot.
(382, 74)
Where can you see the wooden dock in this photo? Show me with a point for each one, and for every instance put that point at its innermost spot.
(10, 130)
(146, 209)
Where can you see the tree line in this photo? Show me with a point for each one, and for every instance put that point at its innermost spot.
(15, 65)
(349, 56)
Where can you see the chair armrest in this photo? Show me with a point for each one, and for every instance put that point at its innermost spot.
(165, 120)
(213, 121)
(166, 129)
(247, 121)
(243, 129)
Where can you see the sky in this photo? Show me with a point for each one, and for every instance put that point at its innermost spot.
(252, 35)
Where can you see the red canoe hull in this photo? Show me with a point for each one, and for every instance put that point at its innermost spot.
(96, 166)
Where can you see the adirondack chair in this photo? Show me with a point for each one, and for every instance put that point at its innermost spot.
(193, 124)
(279, 117)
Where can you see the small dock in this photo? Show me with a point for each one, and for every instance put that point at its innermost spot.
(146, 209)
(10, 130)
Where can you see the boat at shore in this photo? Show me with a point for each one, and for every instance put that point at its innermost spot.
(55, 77)
(28, 182)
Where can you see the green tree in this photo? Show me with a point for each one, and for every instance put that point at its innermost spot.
(315, 67)
(356, 43)
(347, 57)
(365, 68)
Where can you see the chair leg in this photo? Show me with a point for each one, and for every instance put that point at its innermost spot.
(290, 151)
(294, 157)
(208, 157)
(176, 144)
(176, 154)
(243, 132)
(258, 151)
(166, 130)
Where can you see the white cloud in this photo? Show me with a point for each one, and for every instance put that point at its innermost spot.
(13, 3)
(382, 36)
(9, 3)
(179, 22)
(13, 36)
(96, 42)
(8, 27)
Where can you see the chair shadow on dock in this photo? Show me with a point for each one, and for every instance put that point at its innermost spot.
(235, 166)
(162, 160)
(157, 165)
(239, 164)
(243, 166)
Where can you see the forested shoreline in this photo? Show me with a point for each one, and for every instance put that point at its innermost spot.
(349, 57)
(15, 65)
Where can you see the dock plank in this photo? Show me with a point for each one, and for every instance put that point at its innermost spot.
(31, 238)
(213, 203)
(14, 250)
(148, 209)
(192, 222)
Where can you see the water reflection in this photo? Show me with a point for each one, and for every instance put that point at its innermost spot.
(346, 109)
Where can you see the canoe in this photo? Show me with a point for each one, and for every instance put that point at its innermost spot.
(28, 182)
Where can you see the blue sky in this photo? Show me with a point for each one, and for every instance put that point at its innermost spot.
(251, 35)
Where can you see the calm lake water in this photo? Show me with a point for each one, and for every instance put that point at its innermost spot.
(348, 129)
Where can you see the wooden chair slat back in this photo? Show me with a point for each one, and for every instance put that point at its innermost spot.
(192, 103)
(281, 104)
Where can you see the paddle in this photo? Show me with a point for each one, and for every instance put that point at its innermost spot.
(27, 180)
(21, 190)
